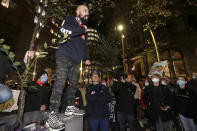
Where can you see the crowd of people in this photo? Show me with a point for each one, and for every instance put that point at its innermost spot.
(155, 102)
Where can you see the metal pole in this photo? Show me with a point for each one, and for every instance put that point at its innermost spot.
(123, 51)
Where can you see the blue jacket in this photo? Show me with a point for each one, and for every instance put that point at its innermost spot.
(75, 49)
(97, 103)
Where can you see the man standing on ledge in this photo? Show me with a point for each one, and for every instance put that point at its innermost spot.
(68, 58)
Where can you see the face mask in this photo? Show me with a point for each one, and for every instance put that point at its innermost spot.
(84, 21)
(163, 82)
(44, 78)
(180, 83)
(146, 84)
(155, 80)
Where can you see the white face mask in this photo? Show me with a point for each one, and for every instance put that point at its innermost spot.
(163, 82)
(104, 83)
(146, 84)
(155, 80)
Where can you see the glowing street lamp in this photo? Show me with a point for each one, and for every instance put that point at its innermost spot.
(120, 28)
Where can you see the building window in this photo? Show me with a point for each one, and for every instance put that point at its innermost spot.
(5, 3)
(51, 31)
(176, 65)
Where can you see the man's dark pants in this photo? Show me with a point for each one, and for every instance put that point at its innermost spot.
(64, 69)
(123, 118)
(95, 123)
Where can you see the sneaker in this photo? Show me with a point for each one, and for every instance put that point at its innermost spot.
(54, 122)
(72, 110)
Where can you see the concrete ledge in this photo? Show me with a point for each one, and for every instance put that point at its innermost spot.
(73, 123)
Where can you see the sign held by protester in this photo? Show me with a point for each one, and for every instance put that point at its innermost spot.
(158, 68)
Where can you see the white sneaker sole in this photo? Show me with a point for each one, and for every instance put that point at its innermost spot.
(73, 113)
(68, 113)
(51, 129)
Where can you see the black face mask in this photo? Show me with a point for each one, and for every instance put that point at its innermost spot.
(83, 20)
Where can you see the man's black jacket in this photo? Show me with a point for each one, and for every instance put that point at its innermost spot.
(125, 100)
(75, 49)
(6, 65)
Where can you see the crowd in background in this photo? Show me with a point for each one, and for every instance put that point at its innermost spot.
(154, 103)
(157, 103)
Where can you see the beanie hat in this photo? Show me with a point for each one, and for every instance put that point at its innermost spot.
(94, 72)
(39, 74)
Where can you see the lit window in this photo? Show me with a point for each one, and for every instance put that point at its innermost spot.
(5, 3)
(51, 30)
(37, 35)
(53, 20)
(38, 9)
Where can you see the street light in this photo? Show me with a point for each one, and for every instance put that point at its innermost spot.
(121, 28)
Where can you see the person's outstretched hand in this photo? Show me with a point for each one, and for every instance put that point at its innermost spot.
(29, 54)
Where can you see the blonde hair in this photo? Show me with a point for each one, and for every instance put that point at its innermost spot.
(156, 75)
